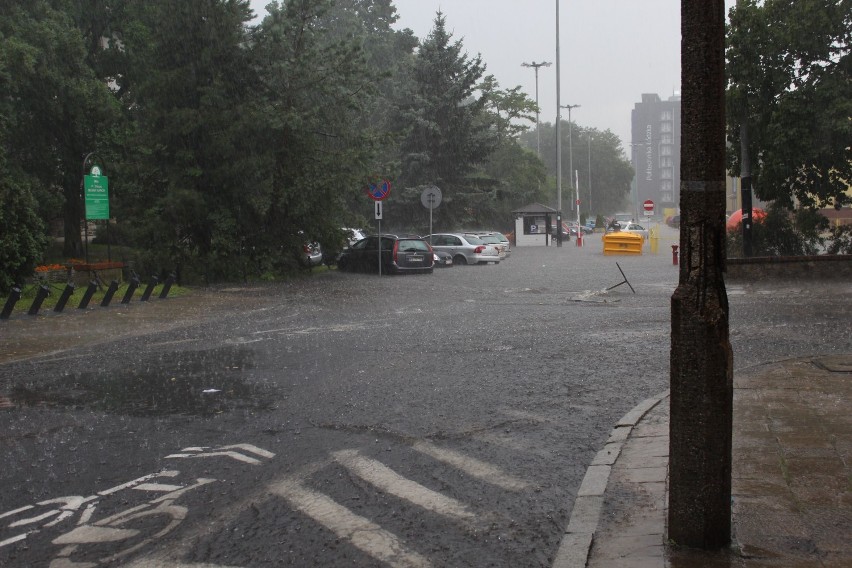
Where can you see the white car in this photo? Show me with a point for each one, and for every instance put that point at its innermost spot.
(635, 228)
(495, 241)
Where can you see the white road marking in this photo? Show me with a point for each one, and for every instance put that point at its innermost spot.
(200, 452)
(12, 540)
(161, 487)
(362, 533)
(234, 455)
(138, 480)
(16, 511)
(391, 482)
(472, 466)
(249, 448)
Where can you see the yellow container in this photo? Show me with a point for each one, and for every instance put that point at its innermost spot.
(622, 243)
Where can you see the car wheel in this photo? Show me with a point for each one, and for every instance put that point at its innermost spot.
(459, 259)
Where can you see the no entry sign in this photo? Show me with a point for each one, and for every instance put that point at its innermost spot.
(648, 206)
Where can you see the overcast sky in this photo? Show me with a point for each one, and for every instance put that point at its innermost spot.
(611, 51)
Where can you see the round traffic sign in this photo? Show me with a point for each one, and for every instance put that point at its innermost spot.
(379, 190)
(648, 205)
(430, 197)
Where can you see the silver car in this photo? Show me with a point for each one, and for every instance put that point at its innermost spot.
(496, 242)
(466, 249)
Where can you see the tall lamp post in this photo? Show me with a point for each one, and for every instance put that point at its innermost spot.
(590, 173)
(571, 154)
(535, 67)
(558, 140)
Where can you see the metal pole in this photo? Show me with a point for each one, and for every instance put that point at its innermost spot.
(590, 174)
(558, 140)
(535, 67)
(570, 149)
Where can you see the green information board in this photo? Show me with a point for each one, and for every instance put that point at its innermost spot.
(96, 194)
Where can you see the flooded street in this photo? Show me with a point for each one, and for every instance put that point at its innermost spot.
(346, 419)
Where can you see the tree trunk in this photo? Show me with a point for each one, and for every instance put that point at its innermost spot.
(701, 358)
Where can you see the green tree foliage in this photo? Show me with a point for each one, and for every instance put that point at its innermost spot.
(53, 105)
(611, 172)
(448, 134)
(789, 66)
(22, 239)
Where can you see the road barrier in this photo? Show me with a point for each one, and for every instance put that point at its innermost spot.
(622, 243)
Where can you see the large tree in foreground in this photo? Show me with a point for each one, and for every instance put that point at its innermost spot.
(789, 73)
(448, 134)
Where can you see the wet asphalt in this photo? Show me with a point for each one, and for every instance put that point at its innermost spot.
(450, 416)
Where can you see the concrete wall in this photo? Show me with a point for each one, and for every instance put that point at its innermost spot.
(837, 267)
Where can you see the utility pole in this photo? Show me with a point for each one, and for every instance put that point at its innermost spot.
(535, 67)
(701, 359)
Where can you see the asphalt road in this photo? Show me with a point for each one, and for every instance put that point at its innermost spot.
(346, 419)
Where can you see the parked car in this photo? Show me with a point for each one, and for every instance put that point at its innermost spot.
(494, 240)
(573, 228)
(465, 248)
(631, 228)
(312, 254)
(347, 237)
(443, 259)
(399, 254)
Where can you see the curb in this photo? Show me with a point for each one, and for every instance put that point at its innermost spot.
(574, 549)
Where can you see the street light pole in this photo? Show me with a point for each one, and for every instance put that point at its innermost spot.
(535, 67)
(558, 140)
(571, 152)
(590, 173)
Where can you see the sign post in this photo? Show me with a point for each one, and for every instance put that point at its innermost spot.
(95, 201)
(430, 198)
(378, 192)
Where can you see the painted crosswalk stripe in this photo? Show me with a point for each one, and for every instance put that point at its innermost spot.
(362, 533)
(391, 482)
(472, 466)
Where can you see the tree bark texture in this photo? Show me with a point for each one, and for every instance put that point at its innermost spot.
(701, 358)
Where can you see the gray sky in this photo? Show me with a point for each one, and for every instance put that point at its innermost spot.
(611, 51)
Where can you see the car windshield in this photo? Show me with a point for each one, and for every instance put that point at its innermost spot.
(474, 240)
(490, 239)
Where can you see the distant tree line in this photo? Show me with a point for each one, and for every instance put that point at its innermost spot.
(228, 143)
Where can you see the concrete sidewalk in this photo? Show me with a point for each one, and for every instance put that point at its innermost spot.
(791, 478)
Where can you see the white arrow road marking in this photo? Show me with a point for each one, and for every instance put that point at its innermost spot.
(200, 452)
(235, 455)
(391, 482)
(249, 448)
(361, 532)
(473, 467)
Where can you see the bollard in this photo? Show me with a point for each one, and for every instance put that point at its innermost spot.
(674, 255)
(113, 288)
(43, 292)
(167, 285)
(150, 288)
(87, 297)
(63, 299)
(131, 289)
(10, 303)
